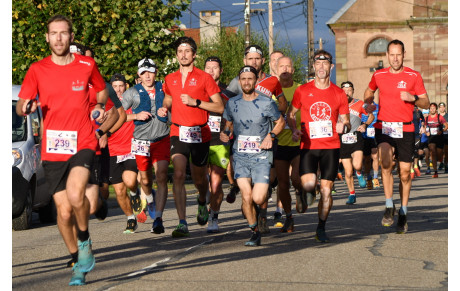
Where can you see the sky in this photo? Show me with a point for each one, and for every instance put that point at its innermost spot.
(290, 22)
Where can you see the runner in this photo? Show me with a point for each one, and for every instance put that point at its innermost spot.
(352, 144)
(320, 103)
(274, 56)
(434, 127)
(418, 121)
(253, 144)
(394, 128)
(287, 155)
(61, 80)
(219, 153)
(150, 143)
(371, 155)
(190, 94)
(443, 113)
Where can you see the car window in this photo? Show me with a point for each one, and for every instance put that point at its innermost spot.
(19, 129)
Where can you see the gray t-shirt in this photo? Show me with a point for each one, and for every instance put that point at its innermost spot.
(153, 128)
(235, 86)
(251, 118)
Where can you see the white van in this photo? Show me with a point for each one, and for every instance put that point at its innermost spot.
(29, 188)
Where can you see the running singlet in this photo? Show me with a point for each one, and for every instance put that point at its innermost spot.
(269, 86)
(199, 85)
(319, 110)
(434, 124)
(392, 108)
(356, 112)
(92, 103)
(285, 136)
(64, 99)
(120, 141)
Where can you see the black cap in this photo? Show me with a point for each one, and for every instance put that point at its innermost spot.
(254, 49)
(117, 77)
(248, 69)
(346, 84)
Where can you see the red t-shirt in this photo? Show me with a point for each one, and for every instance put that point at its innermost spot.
(199, 85)
(64, 98)
(356, 108)
(92, 103)
(120, 141)
(269, 86)
(432, 123)
(318, 105)
(391, 107)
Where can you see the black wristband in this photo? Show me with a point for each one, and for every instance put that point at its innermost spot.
(416, 98)
(100, 132)
(198, 102)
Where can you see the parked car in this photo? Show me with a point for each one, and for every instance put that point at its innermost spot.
(30, 192)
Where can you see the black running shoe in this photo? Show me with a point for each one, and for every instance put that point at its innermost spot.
(402, 226)
(321, 236)
(387, 219)
(136, 203)
(101, 213)
(232, 195)
(288, 225)
(254, 240)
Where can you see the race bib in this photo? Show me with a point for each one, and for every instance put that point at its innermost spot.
(433, 130)
(320, 129)
(61, 142)
(122, 158)
(370, 131)
(190, 134)
(249, 144)
(349, 138)
(140, 147)
(214, 123)
(392, 129)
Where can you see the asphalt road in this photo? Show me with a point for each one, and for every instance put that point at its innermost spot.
(362, 255)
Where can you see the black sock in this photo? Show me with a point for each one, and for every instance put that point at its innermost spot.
(321, 224)
(74, 256)
(201, 203)
(83, 235)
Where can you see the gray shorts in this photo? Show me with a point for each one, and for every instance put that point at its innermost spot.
(257, 167)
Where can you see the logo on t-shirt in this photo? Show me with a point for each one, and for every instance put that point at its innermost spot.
(86, 63)
(354, 112)
(402, 85)
(78, 86)
(192, 82)
(263, 90)
(320, 111)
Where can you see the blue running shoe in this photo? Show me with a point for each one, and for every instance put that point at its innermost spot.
(86, 260)
(151, 206)
(157, 226)
(361, 181)
(351, 199)
(78, 277)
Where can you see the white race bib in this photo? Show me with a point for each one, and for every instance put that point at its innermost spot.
(249, 144)
(349, 138)
(140, 147)
(370, 131)
(122, 158)
(61, 142)
(320, 129)
(190, 134)
(393, 129)
(214, 123)
(433, 130)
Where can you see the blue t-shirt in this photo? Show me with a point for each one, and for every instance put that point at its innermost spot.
(251, 118)
(365, 117)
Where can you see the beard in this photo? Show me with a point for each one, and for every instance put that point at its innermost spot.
(60, 53)
(248, 91)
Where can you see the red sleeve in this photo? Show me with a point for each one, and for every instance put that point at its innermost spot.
(96, 79)
(165, 88)
(211, 86)
(296, 99)
(109, 104)
(29, 87)
(373, 84)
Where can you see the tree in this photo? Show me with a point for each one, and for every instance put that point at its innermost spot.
(120, 32)
(229, 47)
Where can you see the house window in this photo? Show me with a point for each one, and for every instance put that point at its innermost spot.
(377, 47)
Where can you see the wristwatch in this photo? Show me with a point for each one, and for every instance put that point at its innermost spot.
(272, 135)
(198, 102)
(416, 98)
(109, 134)
(100, 132)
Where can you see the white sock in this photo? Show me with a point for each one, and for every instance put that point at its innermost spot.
(149, 198)
(131, 217)
(132, 193)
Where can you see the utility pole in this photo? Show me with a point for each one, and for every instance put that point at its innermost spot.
(270, 27)
(247, 22)
(311, 38)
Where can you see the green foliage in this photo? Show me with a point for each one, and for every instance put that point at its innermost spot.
(229, 47)
(120, 32)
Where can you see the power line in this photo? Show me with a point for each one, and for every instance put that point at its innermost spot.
(285, 28)
(424, 6)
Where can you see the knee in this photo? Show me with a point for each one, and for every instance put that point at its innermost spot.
(179, 175)
(161, 177)
(64, 214)
(309, 186)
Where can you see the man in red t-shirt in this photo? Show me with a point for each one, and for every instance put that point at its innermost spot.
(61, 80)
(399, 89)
(320, 103)
(435, 126)
(190, 94)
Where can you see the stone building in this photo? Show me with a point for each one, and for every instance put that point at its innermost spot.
(363, 29)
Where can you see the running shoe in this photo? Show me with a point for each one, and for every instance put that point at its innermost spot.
(101, 213)
(361, 180)
(301, 201)
(431, 164)
(412, 175)
(417, 172)
(131, 226)
(136, 203)
(441, 166)
(278, 220)
(351, 200)
(288, 225)
(333, 190)
(387, 219)
(340, 176)
(86, 260)
(232, 195)
(78, 277)
(435, 175)
(370, 185)
(321, 236)
(263, 227)
(402, 226)
(428, 172)
(141, 217)
(151, 206)
(181, 231)
(254, 240)
(213, 226)
(376, 183)
(269, 195)
(157, 226)
(202, 215)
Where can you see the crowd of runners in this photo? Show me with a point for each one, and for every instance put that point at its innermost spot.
(261, 131)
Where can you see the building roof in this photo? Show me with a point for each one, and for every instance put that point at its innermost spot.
(339, 13)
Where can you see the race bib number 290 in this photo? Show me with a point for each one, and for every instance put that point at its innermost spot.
(61, 142)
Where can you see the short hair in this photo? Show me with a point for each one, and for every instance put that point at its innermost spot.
(434, 103)
(117, 77)
(324, 53)
(57, 18)
(186, 40)
(275, 52)
(347, 84)
(395, 42)
(253, 48)
(214, 59)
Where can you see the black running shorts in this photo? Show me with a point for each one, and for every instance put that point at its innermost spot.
(327, 159)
